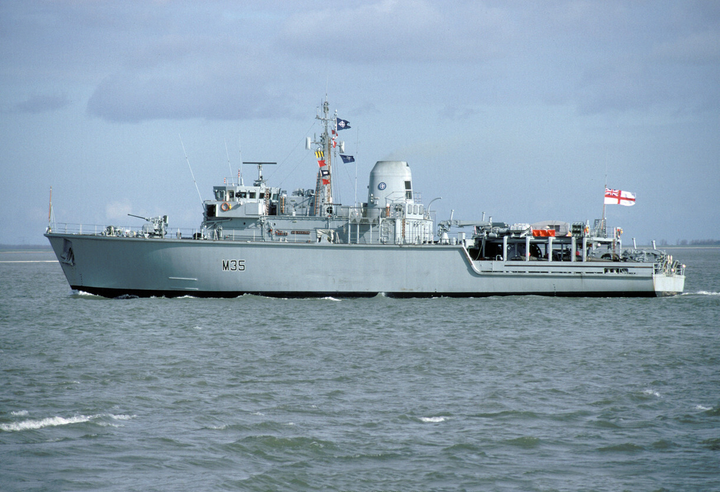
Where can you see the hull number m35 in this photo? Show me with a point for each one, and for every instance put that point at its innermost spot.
(233, 265)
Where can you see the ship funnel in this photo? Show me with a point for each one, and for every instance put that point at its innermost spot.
(390, 182)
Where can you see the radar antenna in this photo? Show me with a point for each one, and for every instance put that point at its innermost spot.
(260, 181)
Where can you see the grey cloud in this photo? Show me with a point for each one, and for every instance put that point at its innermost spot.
(41, 104)
(455, 113)
(228, 61)
(597, 56)
(397, 31)
(130, 97)
(697, 48)
(218, 77)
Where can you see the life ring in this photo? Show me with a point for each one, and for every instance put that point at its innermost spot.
(225, 206)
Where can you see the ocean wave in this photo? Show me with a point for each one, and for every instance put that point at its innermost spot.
(524, 442)
(433, 419)
(627, 447)
(58, 421)
(714, 412)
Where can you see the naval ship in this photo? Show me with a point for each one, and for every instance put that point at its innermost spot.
(261, 239)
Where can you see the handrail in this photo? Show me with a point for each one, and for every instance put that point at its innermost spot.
(119, 231)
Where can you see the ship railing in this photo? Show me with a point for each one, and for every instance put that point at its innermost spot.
(121, 231)
(668, 266)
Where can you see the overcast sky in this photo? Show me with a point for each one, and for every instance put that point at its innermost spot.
(516, 109)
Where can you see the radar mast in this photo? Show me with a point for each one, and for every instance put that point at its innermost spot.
(323, 151)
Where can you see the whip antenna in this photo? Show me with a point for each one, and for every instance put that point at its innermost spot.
(228, 157)
(191, 172)
(242, 182)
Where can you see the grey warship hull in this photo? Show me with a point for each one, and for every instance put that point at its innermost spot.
(112, 267)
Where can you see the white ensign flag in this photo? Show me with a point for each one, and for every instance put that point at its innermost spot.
(619, 197)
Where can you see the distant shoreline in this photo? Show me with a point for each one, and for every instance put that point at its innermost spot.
(686, 246)
(7, 248)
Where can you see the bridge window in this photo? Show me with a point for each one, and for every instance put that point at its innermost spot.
(408, 190)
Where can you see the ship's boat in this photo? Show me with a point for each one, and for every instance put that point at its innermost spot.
(261, 239)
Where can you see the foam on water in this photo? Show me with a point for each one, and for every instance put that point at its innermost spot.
(58, 421)
(82, 293)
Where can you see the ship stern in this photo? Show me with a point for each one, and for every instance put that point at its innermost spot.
(668, 285)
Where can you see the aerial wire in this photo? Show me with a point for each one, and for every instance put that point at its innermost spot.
(228, 158)
(191, 171)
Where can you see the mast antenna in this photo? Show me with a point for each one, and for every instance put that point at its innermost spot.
(324, 148)
(51, 215)
(228, 158)
(242, 182)
(602, 221)
(191, 171)
(357, 153)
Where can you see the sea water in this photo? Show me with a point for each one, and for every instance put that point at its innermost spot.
(253, 393)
